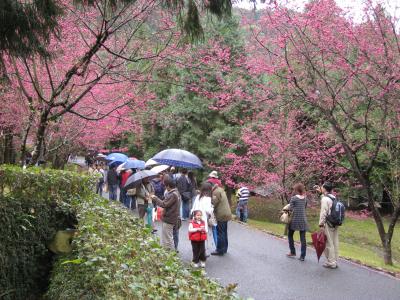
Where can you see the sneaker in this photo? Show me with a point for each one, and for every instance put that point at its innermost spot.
(217, 253)
(202, 264)
(301, 258)
(154, 231)
(291, 255)
(329, 266)
(194, 265)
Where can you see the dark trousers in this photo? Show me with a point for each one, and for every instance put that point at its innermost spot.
(99, 188)
(302, 240)
(199, 251)
(175, 234)
(222, 240)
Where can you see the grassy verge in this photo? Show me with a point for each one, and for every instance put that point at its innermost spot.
(359, 239)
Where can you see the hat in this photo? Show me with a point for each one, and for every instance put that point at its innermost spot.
(213, 174)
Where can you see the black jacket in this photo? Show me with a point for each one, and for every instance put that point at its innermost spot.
(112, 177)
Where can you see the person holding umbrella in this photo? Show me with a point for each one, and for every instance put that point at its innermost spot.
(171, 205)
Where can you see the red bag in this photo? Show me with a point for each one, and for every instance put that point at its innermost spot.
(319, 242)
(159, 214)
(198, 236)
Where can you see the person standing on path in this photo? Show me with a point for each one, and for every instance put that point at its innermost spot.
(185, 189)
(143, 194)
(198, 236)
(331, 232)
(171, 205)
(112, 182)
(298, 204)
(100, 181)
(222, 212)
(202, 202)
(242, 204)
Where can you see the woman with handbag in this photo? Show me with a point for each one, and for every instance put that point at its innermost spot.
(298, 222)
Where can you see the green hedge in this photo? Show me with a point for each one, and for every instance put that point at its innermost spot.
(34, 204)
(115, 257)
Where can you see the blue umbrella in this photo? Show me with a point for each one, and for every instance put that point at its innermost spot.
(134, 164)
(136, 179)
(178, 158)
(117, 157)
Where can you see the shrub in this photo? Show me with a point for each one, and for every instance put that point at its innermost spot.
(34, 204)
(115, 257)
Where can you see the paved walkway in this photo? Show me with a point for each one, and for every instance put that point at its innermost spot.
(257, 262)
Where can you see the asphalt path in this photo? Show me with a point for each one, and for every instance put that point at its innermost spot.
(257, 262)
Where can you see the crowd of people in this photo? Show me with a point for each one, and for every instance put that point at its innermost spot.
(177, 196)
(176, 193)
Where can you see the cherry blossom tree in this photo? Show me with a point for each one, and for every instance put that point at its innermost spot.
(101, 56)
(345, 76)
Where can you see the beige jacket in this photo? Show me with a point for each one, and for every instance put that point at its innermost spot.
(326, 204)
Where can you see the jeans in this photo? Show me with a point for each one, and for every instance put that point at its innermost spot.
(222, 240)
(185, 209)
(99, 188)
(128, 201)
(242, 211)
(302, 240)
(112, 191)
(122, 195)
(215, 235)
(133, 202)
(176, 237)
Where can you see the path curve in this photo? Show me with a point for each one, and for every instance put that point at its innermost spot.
(256, 261)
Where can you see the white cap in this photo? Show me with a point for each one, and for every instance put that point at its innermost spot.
(213, 174)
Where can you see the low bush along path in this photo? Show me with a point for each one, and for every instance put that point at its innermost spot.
(257, 262)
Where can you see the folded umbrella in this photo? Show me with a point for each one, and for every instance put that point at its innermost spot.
(319, 242)
(117, 157)
(159, 169)
(178, 158)
(136, 179)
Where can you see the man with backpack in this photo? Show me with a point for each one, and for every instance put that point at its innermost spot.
(331, 217)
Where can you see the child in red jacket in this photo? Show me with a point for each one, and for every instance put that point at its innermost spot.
(198, 236)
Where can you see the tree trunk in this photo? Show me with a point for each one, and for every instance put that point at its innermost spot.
(387, 251)
(39, 139)
(23, 144)
(8, 157)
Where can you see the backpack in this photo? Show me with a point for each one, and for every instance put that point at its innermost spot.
(336, 216)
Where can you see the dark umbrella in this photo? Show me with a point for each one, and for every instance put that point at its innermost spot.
(137, 178)
(319, 242)
(178, 158)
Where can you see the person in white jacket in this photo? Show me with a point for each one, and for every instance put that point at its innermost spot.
(202, 202)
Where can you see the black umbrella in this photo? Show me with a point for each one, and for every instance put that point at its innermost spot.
(137, 178)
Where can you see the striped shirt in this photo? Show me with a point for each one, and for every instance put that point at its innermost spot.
(244, 194)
